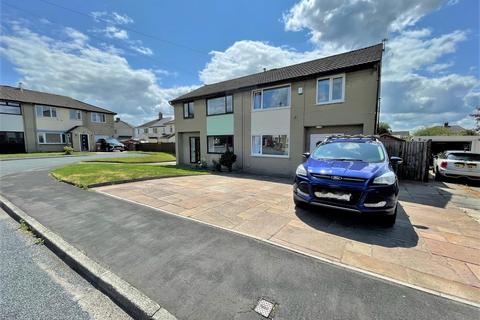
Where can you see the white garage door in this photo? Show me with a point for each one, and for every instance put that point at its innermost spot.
(317, 137)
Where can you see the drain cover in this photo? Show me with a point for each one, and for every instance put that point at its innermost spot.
(264, 307)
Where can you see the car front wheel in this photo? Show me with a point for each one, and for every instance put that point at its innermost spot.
(388, 221)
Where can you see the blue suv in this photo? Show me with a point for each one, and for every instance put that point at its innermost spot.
(351, 173)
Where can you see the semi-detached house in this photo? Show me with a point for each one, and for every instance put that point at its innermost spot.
(270, 118)
(34, 121)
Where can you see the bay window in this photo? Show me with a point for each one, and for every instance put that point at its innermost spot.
(219, 144)
(220, 105)
(270, 145)
(46, 111)
(277, 97)
(98, 117)
(188, 110)
(331, 89)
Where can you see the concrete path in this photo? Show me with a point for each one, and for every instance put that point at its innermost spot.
(200, 272)
(36, 284)
(434, 244)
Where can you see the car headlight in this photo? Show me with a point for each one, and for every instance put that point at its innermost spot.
(301, 171)
(386, 178)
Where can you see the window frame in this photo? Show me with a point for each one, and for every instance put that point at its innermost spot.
(42, 107)
(63, 137)
(104, 116)
(221, 135)
(11, 104)
(261, 90)
(191, 112)
(225, 105)
(261, 144)
(77, 112)
(330, 89)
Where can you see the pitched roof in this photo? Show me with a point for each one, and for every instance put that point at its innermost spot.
(155, 123)
(307, 69)
(38, 97)
(124, 122)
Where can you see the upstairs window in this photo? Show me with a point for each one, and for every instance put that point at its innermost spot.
(220, 105)
(46, 111)
(10, 107)
(331, 89)
(98, 117)
(155, 130)
(75, 115)
(145, 130)
(278, 97)
(188, 110)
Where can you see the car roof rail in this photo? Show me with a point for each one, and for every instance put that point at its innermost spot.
(346, 136)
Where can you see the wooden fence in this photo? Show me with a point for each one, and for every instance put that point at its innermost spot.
(168, 147)
(416, 158)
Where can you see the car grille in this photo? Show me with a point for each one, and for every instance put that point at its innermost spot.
(355, 195)
(338, 178)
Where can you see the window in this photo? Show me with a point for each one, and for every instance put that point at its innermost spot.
(270, 145)
(331, 90)
(155, 130)
(51, 138)
(219, 144)
(145, 130)
(10, 107)
(75, 115)
(98, 117)
(278, 97)
(220, 105)
(46, 111)
(188, 110)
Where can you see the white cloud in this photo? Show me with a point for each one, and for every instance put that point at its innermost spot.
(75, 68)
(143, 50)
(111, 18)
(354, 23)
(114, 32)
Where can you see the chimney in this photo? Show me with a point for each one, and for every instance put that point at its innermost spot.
(117, 119)
(160, 116)
(20, 86)
(264, 69)
(445, 125)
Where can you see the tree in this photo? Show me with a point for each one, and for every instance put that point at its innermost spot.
(442, 131)
(476, 116)
(383, 127)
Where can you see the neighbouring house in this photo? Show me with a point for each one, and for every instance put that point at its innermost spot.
(160, 130)
(270, 118)
(444, 143)
(34, 121)
(122, 130)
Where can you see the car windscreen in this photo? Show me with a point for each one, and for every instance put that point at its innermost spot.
(464, 156)
(349, 151)
(113, 141)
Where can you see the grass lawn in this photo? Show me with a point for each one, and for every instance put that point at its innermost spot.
(147, 157)
(38, 154)
(85, 174)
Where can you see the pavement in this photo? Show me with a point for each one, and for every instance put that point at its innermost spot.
(434, 244)
(198, 271)
(36, 284)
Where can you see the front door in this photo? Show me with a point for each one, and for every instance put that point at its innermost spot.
(84, 142)
(194, 149)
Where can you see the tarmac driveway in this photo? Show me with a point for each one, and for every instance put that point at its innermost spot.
(435, 243)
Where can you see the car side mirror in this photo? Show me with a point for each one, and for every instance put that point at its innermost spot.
(396, 160)
(305, 155)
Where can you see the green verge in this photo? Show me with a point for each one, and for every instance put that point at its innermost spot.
(39, 154)
(86, 174)
(148, 157)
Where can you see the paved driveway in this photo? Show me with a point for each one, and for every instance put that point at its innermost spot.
(435, 243)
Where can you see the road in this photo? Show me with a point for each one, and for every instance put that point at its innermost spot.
(36, 284)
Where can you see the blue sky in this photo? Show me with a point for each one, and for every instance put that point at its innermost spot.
(132, 58)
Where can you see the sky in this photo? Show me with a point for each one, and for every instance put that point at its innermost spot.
(132, 57)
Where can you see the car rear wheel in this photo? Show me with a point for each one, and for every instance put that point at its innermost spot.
(389, 221)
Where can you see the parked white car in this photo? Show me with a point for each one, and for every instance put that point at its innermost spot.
(457, 164)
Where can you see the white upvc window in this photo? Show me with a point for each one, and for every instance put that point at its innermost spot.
(98, 117)
(270, 145)
(51, 138)
(271, 98)
(331, 89)
(75, 115)
(46, 111)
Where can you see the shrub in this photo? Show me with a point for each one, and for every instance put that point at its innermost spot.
(68, 150)
(216, 166)
(227, 159)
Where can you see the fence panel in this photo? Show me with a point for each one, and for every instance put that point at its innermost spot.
(415, 155)
(168, 147)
